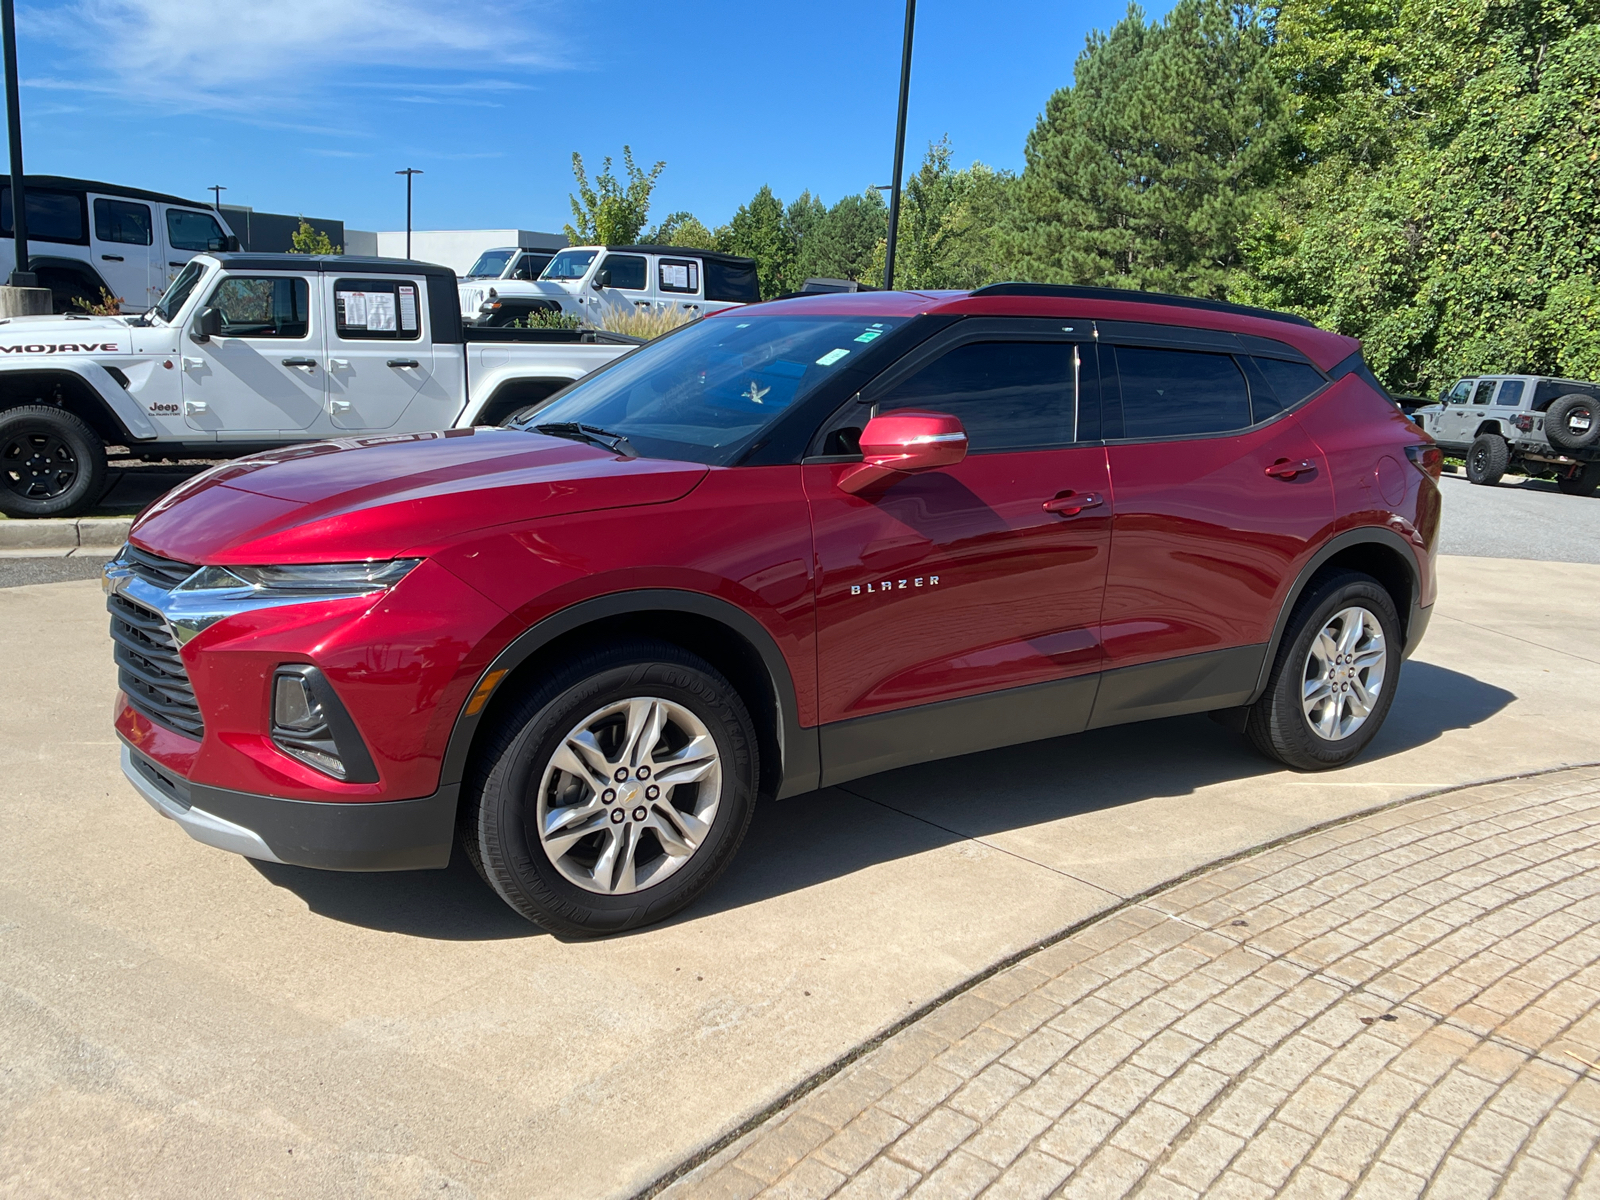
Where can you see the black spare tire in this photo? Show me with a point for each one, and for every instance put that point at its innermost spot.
(1573, 422)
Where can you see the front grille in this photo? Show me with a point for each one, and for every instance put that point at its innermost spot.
(149, 668)
(164, 573)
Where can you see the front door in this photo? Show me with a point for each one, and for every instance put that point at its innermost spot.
(264, 374)
(627, 283)
(977, 578)
(380, 357)
(122, 244)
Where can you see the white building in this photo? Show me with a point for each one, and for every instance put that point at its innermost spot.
(457, 249)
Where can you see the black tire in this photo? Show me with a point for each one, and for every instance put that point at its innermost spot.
(1487, 459)
(499, 809)
(51, 463)
(66, 289)
(1572, 422)
(1277, 723)
(1584, 482)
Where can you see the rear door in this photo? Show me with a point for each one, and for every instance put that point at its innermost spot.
(680, 285)
(962, 581)
(380, 356)
(1219, 495)
(122, 246)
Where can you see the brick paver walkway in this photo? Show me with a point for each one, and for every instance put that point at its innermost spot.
(1401, 1005)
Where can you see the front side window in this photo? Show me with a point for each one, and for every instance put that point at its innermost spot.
(52, 216)
(194, 231)
(123, 221)
(679, 275)
(570, 264)
(1510, 393)
(1007, 395)
(1484, 392)
(1173, 393)
(1459, 393)
(529, 266)
(490, 263)
(177, 293)
(377, 308)
(263, 306)
(706, 391)
(628, 272)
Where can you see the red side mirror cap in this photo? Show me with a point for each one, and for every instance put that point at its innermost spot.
(904, 441)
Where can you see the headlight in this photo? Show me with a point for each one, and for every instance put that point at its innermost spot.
(304, 579)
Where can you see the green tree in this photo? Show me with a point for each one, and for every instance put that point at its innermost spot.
(759, 231)
(307, 240)
(842, 244)
(682, 229)
(949, 225)
(610, 213)
(1144, 172)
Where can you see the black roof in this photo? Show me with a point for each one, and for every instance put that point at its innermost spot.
(341, 264)
(680, 252)
(1131, 296)
(69, 184)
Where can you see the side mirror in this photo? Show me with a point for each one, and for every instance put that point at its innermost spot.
(602, 278)
(905, 441)
(208, 324)
(232, 244)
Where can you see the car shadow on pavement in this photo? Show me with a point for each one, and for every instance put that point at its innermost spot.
(810, 839)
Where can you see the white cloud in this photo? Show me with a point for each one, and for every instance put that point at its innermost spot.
(231, 56)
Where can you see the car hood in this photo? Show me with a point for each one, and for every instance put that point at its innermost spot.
(44, 336)
(388, 497)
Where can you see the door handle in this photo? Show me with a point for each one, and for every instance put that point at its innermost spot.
(338, 406)
(300, 362)
(1284, 469)
(404, 362)
(170, 263)
(193, 364)
(194, 406)
(338, 364)
(112, 258)
(1072, 503)
(642, 303)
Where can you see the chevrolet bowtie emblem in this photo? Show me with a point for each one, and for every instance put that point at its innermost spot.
(755, 393)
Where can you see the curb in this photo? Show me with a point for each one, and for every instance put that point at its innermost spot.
(56, 537)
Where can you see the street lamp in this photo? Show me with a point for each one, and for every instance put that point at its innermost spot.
(20, 275)
(216, 189)
(899, 149)
(408, 173)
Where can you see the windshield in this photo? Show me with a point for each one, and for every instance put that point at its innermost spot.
(703, 393)
(178, 292)
(490, 263)
(569, 264)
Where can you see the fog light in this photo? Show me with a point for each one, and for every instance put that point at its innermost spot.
(309, 724)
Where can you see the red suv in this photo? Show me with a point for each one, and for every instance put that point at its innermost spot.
(780, 548)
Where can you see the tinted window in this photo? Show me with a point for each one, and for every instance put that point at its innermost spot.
(52, 216)
(194, 231)
(489, 265)
(627, 271)
(1510, 393)
(1458, 394)
(1289, 383)
(1484, 391)
(263, 306)
(1009, 395)
(122, 221)
(678, 275)
(732, 281)
(377, 308)
(1169, 393)
(529, 266)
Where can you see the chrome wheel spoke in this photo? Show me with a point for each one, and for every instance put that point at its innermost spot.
(566, 827)
(1316, 690)
(672, 839)
(689, 765)
(581, 755)
(1343, 673)
(1325, 649)
(645, 718)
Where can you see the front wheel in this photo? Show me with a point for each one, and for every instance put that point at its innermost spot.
(1334, 677)
(616, 792)
(1487, 459)
(51, 463)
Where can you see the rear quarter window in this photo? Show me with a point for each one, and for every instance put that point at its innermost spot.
(1286, 384)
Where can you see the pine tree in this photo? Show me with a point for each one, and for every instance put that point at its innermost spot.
(758, 231)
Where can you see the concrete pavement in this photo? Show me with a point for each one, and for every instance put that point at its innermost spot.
(175, 1021)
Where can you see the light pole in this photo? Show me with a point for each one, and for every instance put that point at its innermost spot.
(20, 275)
(899, 149)
(216, 189)
(408, 173)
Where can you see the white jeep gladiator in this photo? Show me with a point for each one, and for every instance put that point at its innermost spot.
(586, 281)
(249, 352)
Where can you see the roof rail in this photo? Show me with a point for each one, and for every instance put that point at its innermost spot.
(1129, 295)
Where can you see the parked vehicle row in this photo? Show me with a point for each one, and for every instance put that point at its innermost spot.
(1530, 424)
(247, 352)
(775, 550)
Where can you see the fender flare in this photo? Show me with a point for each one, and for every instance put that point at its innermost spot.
(119, 406)
(475, 408)
(1379, 535)
(798, 748)
(77, 266)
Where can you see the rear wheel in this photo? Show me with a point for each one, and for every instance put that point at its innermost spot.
(1487, 459)
(616, 792)
(1585, 481)
(1334, 677)
(51, 463)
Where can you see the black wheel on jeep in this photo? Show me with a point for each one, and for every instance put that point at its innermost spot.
(615, 792)
(51, 463)
(1487, 458)
(1583, 481)
(1334, 676)
(1572, 422)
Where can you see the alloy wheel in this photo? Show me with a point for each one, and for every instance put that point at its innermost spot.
(629, 796)
(38, 466)
(1344, 672)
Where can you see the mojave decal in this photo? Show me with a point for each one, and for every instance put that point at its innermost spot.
(63, 348)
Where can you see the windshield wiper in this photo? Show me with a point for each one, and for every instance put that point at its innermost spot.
(613, 442)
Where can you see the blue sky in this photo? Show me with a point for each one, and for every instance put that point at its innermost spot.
(309, 106)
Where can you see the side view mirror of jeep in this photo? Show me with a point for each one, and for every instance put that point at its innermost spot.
(602, 278)
(208, 324)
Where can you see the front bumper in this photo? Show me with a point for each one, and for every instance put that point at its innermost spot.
(381, 835)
